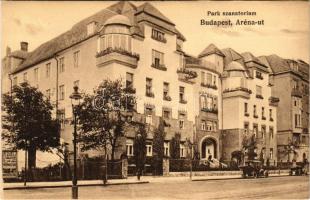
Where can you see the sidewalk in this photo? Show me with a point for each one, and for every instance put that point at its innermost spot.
(130, 180)
(33, 185)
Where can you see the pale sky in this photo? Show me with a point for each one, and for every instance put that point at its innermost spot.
(286, 29)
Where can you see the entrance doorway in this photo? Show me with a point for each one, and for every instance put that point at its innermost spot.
(208, 148)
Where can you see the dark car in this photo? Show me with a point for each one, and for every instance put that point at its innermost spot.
(253, 168)
(299, 170)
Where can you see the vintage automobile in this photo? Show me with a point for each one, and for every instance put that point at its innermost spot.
(253, 168)
(299, 170)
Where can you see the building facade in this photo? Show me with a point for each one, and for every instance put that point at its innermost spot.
(212, 100)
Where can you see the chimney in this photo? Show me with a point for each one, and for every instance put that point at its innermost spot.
(24, 46)
(8, 51)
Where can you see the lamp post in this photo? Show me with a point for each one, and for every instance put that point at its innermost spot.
(75, 100)
(138, 165)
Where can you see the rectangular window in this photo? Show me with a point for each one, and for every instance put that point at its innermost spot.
(166, 114)
(203, 125)
(62, 118)
(263, 131)
(271, 132)
(166, 148)
(129, 149)
(270, 115)
(48, 94)
(76, 58)
(246, 128)
(295, 84)
(25, 77)
(61, 65)
(166, 90)
(209, 79)
(182, 150)
(245, 108)
(209, 126)
(271, 153)
(148, 86)
(149, 150)
(48, 70)
(157, 35)
(181, 94)
(259, 90)
(203, 101)
(255, 130)
(157, 58)
(129, 80)
(263, 113)
(61, 92)
(254, 111)
(203, 78)
(36, 74)
(181, 121)
(148, 113)
(296, 120)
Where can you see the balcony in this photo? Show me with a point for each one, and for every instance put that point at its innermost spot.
(167, 98)
(183, 101)
(117, 55)
(247, 114)
(210, 110)
(259, 96)
(296, 92)
(209, 86)
(186, 73)
(159, 66)
(237, 92)
(271, 119)
(150, 94)
(273, 101)
(263, 118)
(255, 116)
(159, 39)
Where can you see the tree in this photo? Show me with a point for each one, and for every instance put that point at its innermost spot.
(28, 121)
(175, 146)
(139, 148)
(249, 144)
(101, 116)
(158, 145)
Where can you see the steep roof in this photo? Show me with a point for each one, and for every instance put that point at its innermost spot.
(211, 49)
(151, 10)
(78, 32)
(234, 66)
(19, 54)
(277, 63)
(264, 60)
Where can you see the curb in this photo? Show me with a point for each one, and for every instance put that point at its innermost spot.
(217, 179)
(60, 186)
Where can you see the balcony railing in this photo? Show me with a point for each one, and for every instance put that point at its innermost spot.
(209, 85)
(117, 55)
(259, 96)
(160, 39)
(247, 114)
(237, 92)
(160, 67)
(167, 98)
(263, 118)
(273, 101)
(210, 110)
(149, 94)
(255, 116)
(296, 92)
(271, 119)
(183, 101)
(187, 74)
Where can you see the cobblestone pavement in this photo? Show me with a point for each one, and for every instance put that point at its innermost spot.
(288, 187)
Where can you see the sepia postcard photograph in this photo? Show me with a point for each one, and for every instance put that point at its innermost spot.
(155, 100)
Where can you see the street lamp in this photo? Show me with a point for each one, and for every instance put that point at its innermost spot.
(138, 164)
(75, 101)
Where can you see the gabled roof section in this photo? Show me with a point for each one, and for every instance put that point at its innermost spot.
(231, 55)
(277, 63)
(151, 10)
(264, 60)
(211, 49)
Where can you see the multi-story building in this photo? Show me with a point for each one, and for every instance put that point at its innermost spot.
(290, 82)
(212, 99)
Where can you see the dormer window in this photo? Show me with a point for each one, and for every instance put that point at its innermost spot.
(91, 27)
(159, 36)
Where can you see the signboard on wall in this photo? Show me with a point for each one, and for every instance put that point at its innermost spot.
(9, 164)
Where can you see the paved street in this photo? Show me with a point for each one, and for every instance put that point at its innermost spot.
(273, 187)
